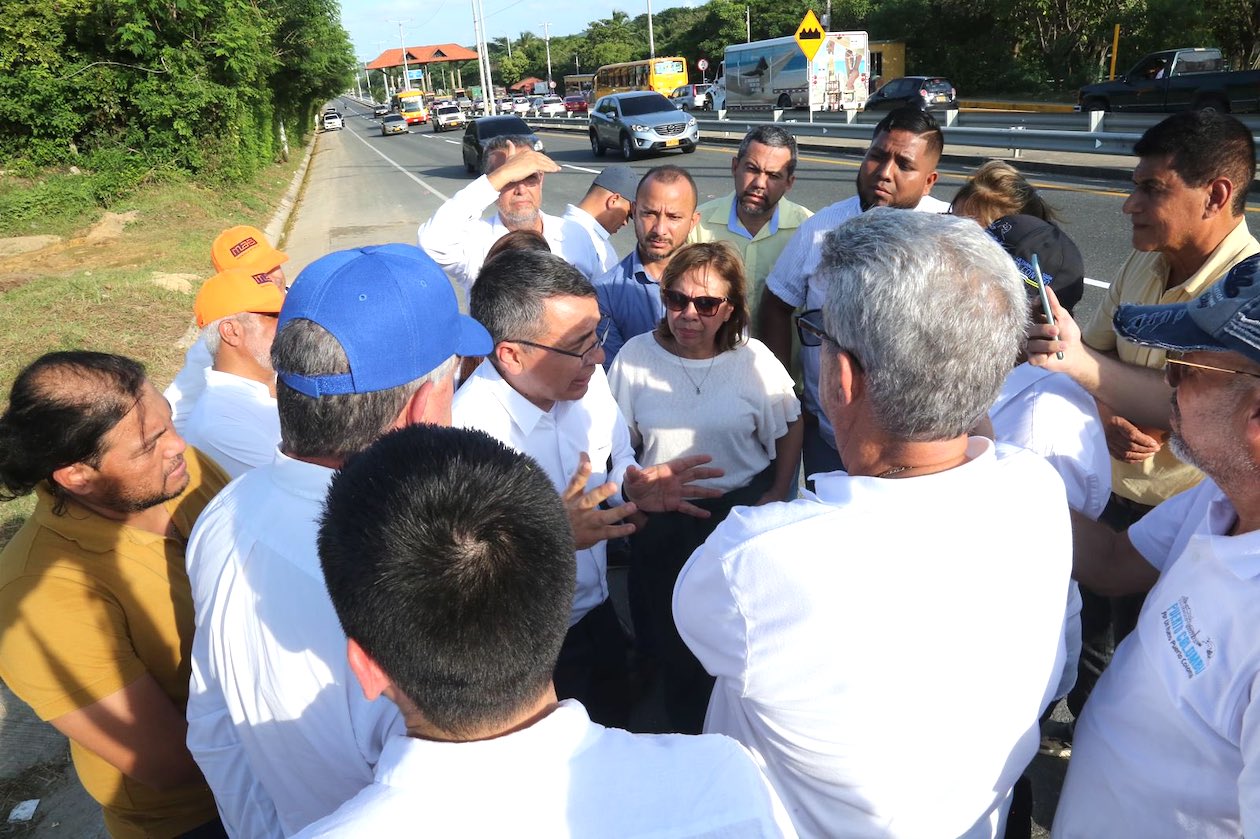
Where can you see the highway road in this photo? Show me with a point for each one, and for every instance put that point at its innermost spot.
(383, 187)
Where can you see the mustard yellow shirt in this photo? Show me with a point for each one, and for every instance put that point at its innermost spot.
(87, 606)
(1143, 280)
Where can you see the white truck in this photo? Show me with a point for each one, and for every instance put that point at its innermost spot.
(775, 74)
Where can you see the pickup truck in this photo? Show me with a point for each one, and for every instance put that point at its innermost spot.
(1176, 80)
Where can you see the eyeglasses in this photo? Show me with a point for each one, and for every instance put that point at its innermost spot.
(599, 342)
(1174, 361)
(676, 301)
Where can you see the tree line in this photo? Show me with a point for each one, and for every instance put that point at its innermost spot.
(203, 86)
(1033, 47)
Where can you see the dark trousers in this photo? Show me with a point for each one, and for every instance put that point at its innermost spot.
(818, 454)
(1105, 621)
(592, 667)
(658, 553)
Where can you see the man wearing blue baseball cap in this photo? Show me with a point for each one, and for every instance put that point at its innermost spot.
(1170, 738)
(367, 341)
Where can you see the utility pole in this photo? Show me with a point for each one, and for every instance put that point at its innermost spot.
(403, 43)
(483, 56)
(507, 39)
(577, 67)
(547, 40)
(748, 24)
(651, 40)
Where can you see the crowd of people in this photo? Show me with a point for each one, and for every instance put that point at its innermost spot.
(350, 573)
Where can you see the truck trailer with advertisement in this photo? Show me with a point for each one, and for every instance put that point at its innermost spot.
(775, 74)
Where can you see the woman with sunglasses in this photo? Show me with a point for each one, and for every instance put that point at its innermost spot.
(698, 385)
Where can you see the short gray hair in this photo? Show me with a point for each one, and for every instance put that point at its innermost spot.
(501, 143)
(774, 136)
(335, 426)
(210, 332)
(512, 289)
(932, 309)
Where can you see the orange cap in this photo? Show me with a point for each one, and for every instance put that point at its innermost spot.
(234, 291)
(245, 247)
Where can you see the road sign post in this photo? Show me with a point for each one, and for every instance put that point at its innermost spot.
(809, 37)
(703, 64)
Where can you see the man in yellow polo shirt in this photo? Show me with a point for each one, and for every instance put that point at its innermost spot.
(95, 609)
(756, 217)
(1187, 209)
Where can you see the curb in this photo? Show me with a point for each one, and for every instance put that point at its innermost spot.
(277, 228)
(1033, 107)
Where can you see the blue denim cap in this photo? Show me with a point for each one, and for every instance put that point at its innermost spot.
(1224, 318)
(393, 311)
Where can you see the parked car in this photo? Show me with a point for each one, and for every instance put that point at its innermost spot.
(479, 131)
(447, 117)
(332, 122)
(926, 92)
(640, 122)
(691, 97)
(380, 110)
(1176, 80)
(520, 106)
(575, 104)
(549, 106)
(394, 124)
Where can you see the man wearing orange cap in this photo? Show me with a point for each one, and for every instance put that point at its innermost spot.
(235, 420)
(237, 247)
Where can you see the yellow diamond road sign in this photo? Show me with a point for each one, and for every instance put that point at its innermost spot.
(809, 35)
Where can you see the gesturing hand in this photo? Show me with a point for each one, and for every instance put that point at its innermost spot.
(591, 524)
(666, 486)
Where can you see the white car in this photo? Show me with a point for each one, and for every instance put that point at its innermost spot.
(520, 106)
(332, 122)
(551, 106)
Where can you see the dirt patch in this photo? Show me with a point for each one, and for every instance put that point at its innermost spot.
(175, 282)
(110, 227)
(20, 245)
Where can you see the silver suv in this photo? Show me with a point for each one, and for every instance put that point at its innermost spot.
(640, 122)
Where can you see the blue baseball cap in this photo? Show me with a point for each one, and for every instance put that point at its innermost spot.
(393, 311)
(1224, 318)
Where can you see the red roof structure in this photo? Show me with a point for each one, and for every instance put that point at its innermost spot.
(525, 85)
(435, 54)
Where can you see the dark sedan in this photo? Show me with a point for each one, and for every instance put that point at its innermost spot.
(926, 92)
(480, 131)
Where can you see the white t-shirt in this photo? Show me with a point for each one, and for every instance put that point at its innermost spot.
(1169, 742)
(563, 776)
(1051, 415)
(236, 422)
(745, 404)
(189, 382)
(828, 619)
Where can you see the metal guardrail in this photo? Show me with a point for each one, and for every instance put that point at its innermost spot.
(1083, 133)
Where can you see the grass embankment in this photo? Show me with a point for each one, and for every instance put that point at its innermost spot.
(97, 287)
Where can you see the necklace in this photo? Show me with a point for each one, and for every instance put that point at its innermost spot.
(697, 385)
(893, 471)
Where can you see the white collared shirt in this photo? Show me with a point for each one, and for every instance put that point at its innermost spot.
(1169, 742)
(564, 776)
(599, 236)
(793, 280)
(276, 720)
(556, 438)
(189, 382)
(236, 422)
(826, 619)
(458, 238)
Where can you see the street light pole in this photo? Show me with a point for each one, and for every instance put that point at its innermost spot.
(403, 42)
(651, 40)
(547, 40)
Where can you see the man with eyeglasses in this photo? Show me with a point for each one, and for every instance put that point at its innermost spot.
(1170, 737)
(543, 392)
(825, 619)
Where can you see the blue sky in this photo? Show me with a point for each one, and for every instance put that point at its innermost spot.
(373, 28)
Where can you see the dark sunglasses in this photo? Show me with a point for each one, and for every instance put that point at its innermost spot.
(676, 301)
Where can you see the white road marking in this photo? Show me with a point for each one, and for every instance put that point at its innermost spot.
(1097, 283)
(452, 142)
(391, 162)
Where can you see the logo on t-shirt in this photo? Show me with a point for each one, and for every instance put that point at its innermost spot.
(1193, 648)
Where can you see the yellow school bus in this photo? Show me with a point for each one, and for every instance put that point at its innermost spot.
(664, 75)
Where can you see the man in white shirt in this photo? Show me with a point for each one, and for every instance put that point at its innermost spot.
(235, 420)
(460, 545)
(458, 238)
(1169, 742)
(605, 209)
(543, 392)
(237, 247)
(366, 342)
(898, 171)
(825, 619)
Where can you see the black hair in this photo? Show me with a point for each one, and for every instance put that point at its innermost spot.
(60, 409)
(916, 121)
(1203, 145)
(449, 560)
(512, 289)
